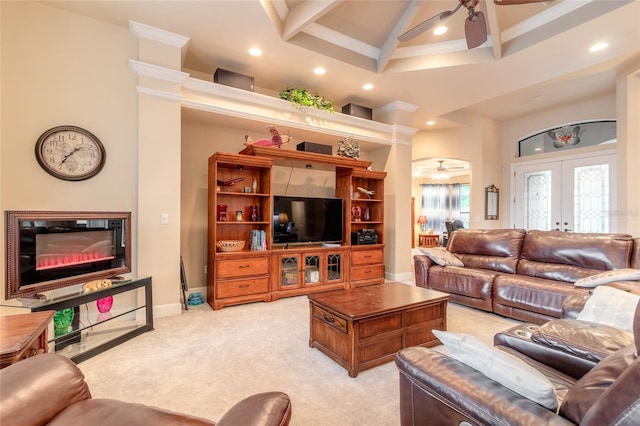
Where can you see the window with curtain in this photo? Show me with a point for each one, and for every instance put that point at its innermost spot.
(445, 202)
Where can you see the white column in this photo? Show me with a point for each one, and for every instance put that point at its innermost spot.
(159, 138)
(397, 190)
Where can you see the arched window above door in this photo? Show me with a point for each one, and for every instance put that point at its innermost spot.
(567, 137)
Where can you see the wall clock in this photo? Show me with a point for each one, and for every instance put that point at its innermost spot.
(70, 153)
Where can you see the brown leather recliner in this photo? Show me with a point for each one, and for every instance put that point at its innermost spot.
(50, 389)
(436, 389)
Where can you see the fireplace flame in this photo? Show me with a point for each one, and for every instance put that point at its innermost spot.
(52, 261)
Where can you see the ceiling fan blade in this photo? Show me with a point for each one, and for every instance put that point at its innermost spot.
(475, 29)
(510, 2)
(429, 23)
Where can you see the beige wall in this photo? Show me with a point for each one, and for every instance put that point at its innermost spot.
(79, 76)
(477, 144)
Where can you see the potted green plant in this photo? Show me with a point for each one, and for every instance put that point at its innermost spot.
(301, 98)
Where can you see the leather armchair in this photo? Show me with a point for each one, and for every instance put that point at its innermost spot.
(50, 389)
(436, 389)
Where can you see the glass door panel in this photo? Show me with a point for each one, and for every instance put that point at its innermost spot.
(538, 199)
(312, 269)
(572, 195)
(334, 267)
(289, 276)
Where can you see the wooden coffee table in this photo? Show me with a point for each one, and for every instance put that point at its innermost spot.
(363, 327)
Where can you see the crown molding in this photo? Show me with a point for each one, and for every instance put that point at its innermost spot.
(159, 93)
(156, 71)
(396, 106)
(156, 34)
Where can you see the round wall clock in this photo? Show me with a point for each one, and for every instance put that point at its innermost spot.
(70, 153)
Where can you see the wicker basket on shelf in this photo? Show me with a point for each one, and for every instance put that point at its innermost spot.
(230, 245)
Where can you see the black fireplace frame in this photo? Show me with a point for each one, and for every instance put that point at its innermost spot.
(18, 221)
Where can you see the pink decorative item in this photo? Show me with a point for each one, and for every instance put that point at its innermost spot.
(104, 304)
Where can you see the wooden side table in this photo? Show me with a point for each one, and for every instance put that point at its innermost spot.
(428, 240)
(23, 336)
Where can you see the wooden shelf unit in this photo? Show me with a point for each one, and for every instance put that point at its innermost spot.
(266, 275)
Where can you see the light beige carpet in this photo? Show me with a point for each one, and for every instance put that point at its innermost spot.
(204, 361)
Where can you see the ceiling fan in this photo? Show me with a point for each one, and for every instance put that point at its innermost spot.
(475, 26)
(442, 172)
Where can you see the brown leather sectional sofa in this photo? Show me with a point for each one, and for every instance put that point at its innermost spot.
(436, 389)
(525, 275)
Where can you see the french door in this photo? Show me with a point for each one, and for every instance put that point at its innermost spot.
(572, 194)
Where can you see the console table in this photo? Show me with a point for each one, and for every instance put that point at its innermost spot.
(428, 240)
(91, 331)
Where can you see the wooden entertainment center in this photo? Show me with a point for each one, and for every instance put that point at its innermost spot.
(261, 272)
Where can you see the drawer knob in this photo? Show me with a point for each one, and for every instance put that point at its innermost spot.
(328, 318)
(243, 266)
(244, 286)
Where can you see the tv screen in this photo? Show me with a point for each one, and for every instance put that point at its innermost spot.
(305, 220)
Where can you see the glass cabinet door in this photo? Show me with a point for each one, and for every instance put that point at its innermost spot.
(312, 269)
(289, 268)
(335, 267)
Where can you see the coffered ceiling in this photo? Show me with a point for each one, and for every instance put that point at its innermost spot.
(536, 55)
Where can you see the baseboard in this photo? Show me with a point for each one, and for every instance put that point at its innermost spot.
(402, 277)
(171, 309)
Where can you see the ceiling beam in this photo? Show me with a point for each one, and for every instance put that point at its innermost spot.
(304, 14)
(494, 27)
(391, 43)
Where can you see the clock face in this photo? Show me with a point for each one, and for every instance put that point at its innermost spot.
(70, 153)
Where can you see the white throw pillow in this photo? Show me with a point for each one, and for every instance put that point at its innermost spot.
(626, 274)
(501, 367)
(610, 306)
(441, 256)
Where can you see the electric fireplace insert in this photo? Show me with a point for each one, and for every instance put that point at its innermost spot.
(46, 250)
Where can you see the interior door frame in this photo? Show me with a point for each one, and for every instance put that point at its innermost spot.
(563, 158)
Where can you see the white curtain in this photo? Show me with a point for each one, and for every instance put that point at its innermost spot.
(440, 203)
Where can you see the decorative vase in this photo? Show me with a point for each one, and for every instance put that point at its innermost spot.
(356, 213)
(62, 321)
(104, 304)
(253, 216)
(222, 212)
(366, 214)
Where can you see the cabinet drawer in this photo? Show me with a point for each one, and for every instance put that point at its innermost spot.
(234, 268)
(366, 257)
(235, 288)
(326, 317)
(367, 272)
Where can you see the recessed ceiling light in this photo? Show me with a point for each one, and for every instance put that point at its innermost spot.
(319, 70)
(440, 30)
(430, 123)
(598, 47)
(367, 86)
(254, 51)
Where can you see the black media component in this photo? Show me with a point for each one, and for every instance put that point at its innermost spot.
(364, 236)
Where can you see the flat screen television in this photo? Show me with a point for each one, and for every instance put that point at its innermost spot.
(307, 220)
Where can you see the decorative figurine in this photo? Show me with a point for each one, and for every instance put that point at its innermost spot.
(276, 140)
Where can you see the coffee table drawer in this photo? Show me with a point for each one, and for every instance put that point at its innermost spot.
(330, 319)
